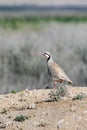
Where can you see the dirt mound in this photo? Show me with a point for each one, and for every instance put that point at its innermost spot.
(30, 110)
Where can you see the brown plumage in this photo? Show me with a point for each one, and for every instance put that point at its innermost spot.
(55, 71)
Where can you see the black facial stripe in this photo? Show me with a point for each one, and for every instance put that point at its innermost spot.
(48, 57)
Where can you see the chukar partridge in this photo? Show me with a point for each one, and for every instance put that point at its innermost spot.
(55, 71)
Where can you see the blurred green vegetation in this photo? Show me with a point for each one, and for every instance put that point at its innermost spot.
(18, 23)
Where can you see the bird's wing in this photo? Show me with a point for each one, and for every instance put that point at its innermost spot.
(59, 73)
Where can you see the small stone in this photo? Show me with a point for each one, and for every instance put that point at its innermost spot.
(44, 113)
(9, 122)
(1, 96)
(60, 124)
(64, 98)
(61, 121)
(31, 92)
(2, 126)
(70, 95)
(40, 123)
(85, 119)
(32, 106)
(84, 111)
(27, 90)
(25, 94)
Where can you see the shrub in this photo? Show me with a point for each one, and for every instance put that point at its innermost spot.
(24, 68)
(20, 118)
(13, 91)
(79, 97)
(60, 92)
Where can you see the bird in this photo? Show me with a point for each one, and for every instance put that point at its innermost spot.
(55, 71)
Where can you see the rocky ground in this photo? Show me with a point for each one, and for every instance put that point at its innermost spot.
(32, 110)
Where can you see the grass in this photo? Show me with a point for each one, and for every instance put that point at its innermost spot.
(13, 91)
(20, 118)
(79, 97)
(18, 23)
(34, 22)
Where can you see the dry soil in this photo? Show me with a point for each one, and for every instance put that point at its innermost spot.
(65, 114)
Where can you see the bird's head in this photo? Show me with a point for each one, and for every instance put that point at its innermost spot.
(47, 55)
